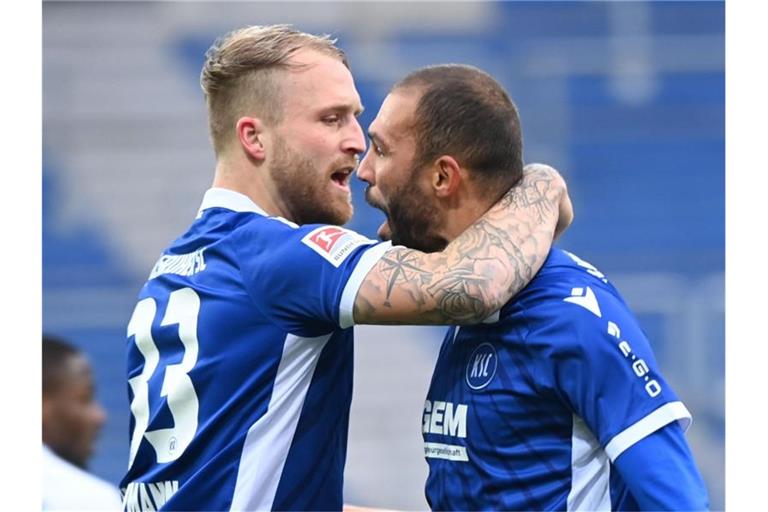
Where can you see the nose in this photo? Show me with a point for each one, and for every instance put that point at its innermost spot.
(354, 142)
(364, 170)
(98, 414)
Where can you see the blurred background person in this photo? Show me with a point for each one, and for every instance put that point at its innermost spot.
(72, 419)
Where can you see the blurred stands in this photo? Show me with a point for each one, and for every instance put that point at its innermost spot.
(626, 98)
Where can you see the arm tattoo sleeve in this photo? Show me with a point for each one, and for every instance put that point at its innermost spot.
(478, 272)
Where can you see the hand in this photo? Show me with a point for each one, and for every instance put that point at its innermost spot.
(565, 214)
(565, 207)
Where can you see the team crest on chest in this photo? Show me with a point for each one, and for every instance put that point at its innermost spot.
(481, 366)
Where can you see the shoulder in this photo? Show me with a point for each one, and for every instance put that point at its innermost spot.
(309, 272)
(570, 301)
(565, 281)
(275, 233)
(262, 227)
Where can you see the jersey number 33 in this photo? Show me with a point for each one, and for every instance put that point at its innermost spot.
(169, 443)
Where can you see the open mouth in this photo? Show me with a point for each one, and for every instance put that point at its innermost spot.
(341, 177)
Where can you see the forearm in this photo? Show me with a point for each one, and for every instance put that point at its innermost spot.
(478, 272)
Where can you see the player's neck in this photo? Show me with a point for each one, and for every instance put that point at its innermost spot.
(459, 216)
(251, 182)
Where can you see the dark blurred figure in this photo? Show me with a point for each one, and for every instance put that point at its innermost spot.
(72, 419)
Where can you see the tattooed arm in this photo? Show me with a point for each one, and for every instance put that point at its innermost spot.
(480, 270)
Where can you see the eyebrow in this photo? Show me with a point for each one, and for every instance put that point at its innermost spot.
(378, 140)
(345, 107)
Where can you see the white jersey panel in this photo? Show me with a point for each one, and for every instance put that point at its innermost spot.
(269, 439)
(590, 471)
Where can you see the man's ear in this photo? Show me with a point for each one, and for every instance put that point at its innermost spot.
(250, 133)
(446, 176)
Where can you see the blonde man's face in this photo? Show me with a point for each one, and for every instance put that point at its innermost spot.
(314, 148)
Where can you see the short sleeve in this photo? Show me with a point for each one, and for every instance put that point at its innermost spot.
(305, 278)
(661, 473)
(595, 358)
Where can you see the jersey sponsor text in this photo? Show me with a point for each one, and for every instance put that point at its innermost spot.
(445, 451)
(445, 418)
(141, 496)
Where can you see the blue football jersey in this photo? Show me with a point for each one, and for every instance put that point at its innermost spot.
(239, 359)
(529, 410)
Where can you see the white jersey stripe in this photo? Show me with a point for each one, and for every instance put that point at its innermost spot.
(590, 471)
(665, 414)
(366, 263)
(269, 439)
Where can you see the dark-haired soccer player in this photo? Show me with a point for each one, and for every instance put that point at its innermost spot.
(556, 401)
(240, 346)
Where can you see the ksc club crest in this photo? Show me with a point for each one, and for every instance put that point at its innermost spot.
(481, 366)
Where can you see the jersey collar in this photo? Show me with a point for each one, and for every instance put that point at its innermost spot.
(229, 199)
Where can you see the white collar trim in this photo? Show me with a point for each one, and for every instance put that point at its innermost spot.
(229, 199)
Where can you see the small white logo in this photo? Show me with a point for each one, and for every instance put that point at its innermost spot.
(481, 367)
(334, 243)
(585, 298)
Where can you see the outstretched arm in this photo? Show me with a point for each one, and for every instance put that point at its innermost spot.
(480, 270)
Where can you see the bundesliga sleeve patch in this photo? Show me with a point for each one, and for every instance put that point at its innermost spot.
(334, 243)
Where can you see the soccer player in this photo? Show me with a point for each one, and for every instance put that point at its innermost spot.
(71, 421)
(240, 347)
(555, 402)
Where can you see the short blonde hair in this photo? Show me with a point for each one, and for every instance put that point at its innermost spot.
(240, 74)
